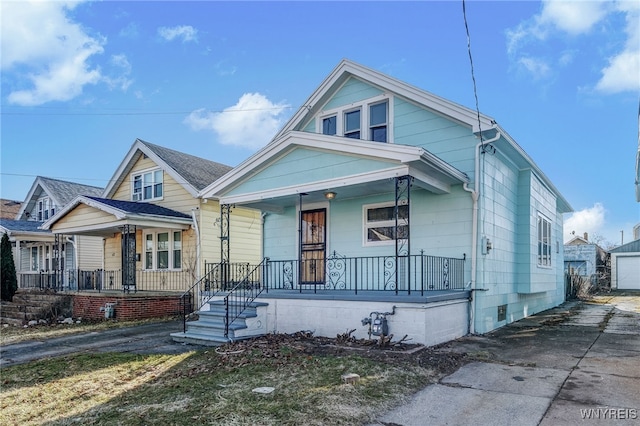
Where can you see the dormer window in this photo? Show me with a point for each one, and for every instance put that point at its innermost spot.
(367, 121)
(147, 186)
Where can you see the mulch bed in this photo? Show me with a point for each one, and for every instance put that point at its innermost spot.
(281, 348)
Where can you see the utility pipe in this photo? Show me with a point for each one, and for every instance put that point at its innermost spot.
(197, 229)
(475, 195)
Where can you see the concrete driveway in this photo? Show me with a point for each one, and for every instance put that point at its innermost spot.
(575, 364)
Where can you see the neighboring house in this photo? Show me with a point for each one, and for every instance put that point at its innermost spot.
(157, 234)
(9, 208)
(385, 203)
(43, 259)
(585, 258)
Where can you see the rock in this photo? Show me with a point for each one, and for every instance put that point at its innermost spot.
(67, 321)
(42, 322)
(32, 323)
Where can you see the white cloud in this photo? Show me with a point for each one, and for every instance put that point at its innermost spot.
(251, 123)
(536, 67)
(559, 18)
(623, 71)
(185, 32)
(572, 17)
(590, 220)
(52, 58)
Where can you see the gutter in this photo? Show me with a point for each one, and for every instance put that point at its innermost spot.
(475, 195)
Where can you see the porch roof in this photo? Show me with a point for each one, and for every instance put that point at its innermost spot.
(115, 215)
(394, 160)
(24, 230)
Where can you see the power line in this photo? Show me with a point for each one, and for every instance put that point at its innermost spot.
(137, 113)
(473, 77)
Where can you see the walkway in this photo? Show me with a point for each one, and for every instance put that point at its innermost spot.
(574, 364)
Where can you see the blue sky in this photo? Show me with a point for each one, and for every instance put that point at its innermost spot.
(82, 80)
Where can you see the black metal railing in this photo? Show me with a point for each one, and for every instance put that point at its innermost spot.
(42, 280)
(218, 279)
(107, 280)
(242, 294)
(401, 274)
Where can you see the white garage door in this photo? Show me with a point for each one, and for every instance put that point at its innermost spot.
(628, 272)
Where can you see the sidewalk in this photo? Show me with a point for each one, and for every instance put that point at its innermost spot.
(575, 364)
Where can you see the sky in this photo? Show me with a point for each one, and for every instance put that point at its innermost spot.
(82, 80)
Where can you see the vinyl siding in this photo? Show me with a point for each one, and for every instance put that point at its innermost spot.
(174, 197)
(82, 215)
(308, 165)
(89, 252)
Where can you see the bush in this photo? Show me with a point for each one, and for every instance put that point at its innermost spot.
(8, 270)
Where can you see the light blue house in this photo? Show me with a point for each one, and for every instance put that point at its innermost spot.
(383, 203)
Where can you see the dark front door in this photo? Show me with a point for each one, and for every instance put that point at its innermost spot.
(313, 246)
(129, 258)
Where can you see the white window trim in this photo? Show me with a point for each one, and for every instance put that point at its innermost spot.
(142, 173)
(366, 225)
(365, 128)
(540, 221)
(154, 251)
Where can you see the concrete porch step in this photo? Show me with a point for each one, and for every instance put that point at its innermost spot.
(209, 329)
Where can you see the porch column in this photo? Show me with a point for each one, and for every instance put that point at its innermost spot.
(128, 250)
(225, 249)
(402, 229)
(55, 261)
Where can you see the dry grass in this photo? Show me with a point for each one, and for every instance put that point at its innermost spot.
(204, 387)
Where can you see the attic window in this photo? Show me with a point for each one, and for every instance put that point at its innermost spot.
(147, 186)
(367, 120)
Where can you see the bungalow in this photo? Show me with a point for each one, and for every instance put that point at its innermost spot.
(43, 259)
(156, 233)
(390, 210)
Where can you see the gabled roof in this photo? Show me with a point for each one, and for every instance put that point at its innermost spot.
(347, 69)
(124, 213)
(436, 174)
(120, 209)
(60, 191)
(193, 173)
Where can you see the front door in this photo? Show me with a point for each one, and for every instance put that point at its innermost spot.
(313, 246)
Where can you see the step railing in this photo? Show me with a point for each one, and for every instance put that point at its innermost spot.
(242, 294)
(219, 278)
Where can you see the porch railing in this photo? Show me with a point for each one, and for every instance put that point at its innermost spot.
(106, 280)
(403, 274)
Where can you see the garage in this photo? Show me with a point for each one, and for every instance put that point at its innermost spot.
(628, 271)
(625, 266)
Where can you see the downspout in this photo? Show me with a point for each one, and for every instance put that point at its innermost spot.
(197, 229)
(475, 195)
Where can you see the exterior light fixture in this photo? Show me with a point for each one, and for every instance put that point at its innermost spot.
(329, 195)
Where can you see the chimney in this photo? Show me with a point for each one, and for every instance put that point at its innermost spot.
(586, 236)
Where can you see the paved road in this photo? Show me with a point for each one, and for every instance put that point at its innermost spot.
(576, 364)
(143, 339)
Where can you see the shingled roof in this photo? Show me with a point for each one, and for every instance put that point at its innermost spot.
(140, 208)
(64, 191)
(18, 226)
(197, 171)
